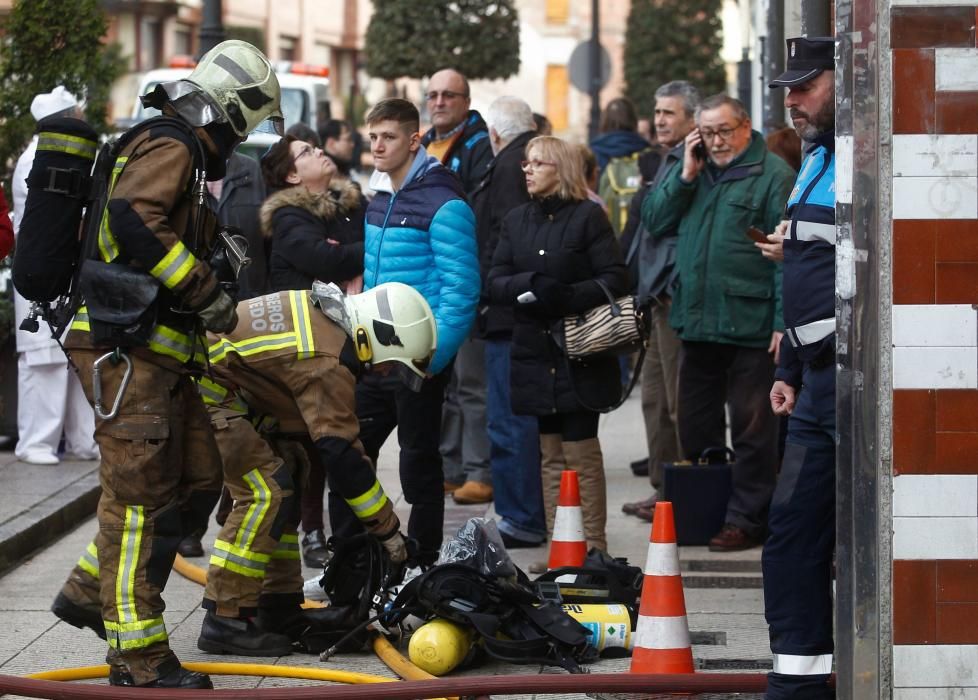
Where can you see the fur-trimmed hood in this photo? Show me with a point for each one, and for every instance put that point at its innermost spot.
(327, 206)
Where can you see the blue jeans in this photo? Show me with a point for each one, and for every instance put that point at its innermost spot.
(514, 454)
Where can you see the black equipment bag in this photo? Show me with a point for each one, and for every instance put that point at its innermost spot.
(699, 494)
(601, 579)
(513, 622)
(59, 189)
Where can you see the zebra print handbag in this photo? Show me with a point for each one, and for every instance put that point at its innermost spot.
(615, 328)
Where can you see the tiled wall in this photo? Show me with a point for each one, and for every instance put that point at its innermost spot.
(935, 349)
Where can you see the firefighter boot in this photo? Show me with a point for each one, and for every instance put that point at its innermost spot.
(79, 616)
(313, 630)
(232, 635)
(172, 676)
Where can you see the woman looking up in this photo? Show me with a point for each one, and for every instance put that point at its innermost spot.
(560, 248)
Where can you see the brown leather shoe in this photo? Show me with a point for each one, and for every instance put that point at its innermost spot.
(472, 492)
(634, 507)
(451, 486)
(645, 514)
(732, 539)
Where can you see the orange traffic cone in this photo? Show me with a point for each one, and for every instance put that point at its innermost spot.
(662, 635)
(568, 547)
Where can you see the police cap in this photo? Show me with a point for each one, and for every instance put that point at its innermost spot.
(807, 57)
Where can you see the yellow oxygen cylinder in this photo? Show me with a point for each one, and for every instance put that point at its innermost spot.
(439, 646)
(609, 623)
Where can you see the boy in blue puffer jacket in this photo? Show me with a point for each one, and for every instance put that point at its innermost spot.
(419, 231)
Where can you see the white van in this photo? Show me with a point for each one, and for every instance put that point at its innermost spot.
(305, 98)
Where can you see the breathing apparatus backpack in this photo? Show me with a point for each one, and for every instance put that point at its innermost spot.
(68, 189)
(59, 189)
(513, 623)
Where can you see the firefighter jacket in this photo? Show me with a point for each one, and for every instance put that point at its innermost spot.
(147, 225)
(809, 263)
(289, 362)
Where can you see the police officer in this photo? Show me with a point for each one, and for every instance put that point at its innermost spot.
(147, 299)
(295, 357)
(797, 559)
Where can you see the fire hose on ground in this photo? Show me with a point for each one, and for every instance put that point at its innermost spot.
(417, 683)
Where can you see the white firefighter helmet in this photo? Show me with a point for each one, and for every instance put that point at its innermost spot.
(393, 323)
(232, 84)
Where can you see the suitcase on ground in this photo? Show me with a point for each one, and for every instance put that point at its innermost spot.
(699, 493)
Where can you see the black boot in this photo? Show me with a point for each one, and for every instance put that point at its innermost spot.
(190, 545)
(312, 630)
(77, 615)
(230, 635)
(178, 678)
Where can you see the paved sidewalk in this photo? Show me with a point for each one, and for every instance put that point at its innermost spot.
(40, 504)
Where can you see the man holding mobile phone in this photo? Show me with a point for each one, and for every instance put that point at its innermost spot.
(726, 308)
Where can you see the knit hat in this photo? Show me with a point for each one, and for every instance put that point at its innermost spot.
(48, 103)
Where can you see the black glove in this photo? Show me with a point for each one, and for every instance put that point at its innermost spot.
(221, 315)
(553, 297)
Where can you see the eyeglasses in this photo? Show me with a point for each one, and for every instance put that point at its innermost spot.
(725, 132)
(535, 164)
(304, 152)
(445, 95)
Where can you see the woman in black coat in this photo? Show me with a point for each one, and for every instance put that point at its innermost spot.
(314, 221)
(551, 253)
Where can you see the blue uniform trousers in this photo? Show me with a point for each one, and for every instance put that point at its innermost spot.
(797, 559)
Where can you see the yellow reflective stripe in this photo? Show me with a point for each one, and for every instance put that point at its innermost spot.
(240, 561)
(171, 342)
(213, 393)
(80, 322)
(288, 547)
(261, 501)
(132, 535)
(66, 143)
(89, 560)
(369, 503)
(135, 635)
(252, 346)
(174, 267)
(107, 245)
(302, 324)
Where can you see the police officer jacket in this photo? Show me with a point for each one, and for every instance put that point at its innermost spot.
(809, 263)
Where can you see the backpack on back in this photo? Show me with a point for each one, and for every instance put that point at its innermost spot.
(619, 182)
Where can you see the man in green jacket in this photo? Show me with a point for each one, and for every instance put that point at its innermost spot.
(727, 308)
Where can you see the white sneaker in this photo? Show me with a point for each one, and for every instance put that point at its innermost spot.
(313, 591)
(40, 458)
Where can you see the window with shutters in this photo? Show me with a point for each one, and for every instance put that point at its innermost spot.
(558, 11)
(558, 92)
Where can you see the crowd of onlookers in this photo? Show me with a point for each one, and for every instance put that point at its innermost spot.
(506, 229)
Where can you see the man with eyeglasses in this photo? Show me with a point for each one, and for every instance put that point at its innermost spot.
(726, 308)
(459, 138)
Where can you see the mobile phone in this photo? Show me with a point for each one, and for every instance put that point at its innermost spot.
(757, 235)
(526, 298)
(699, 151)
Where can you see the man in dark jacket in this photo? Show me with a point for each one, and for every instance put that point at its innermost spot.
(726, 308)
(514, 454)
(652, 262)
(459, 139)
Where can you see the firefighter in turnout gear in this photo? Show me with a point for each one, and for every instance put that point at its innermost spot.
(148, 295)
(294, 357)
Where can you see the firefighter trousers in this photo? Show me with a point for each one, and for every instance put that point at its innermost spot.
(256, 554)
(797, 559)
(160, 475)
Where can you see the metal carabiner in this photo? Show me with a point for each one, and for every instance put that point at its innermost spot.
(97, 383)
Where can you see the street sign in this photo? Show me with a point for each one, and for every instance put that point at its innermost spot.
(579, 66)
